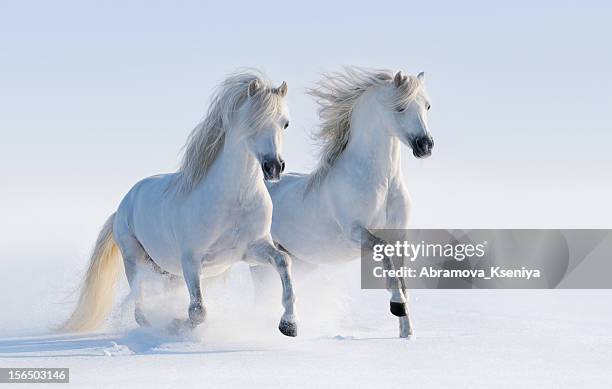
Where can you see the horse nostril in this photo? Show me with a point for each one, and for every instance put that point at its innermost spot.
(282, 162)
(420, 143)
(424, 143)
(266, 166)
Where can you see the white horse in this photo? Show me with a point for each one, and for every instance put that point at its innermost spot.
(212, 213)
(358, 185)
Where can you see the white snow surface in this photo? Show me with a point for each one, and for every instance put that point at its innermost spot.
(347, 337)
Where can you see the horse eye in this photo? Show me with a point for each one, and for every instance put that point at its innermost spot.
(286, 125)
(400, 109)
(428, 107)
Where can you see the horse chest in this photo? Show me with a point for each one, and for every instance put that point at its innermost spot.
(365, 201)
(243, 223)
(250, 215)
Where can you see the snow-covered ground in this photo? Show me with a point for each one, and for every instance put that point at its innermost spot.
(347, 338)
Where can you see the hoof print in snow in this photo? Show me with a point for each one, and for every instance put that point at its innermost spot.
(288, 328)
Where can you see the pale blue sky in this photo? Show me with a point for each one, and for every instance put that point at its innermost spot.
(96, 95)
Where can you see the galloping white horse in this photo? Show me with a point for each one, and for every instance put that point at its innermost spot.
(213, 212)
(358, 184)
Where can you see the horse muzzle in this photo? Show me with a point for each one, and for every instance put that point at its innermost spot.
(422, 146)
(272, 167)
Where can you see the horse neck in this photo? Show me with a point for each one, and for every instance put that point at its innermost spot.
(370, 143)
(235, 164)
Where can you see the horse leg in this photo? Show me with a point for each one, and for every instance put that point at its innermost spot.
(264, 252)
(399, 300)
(192, 271)
(134, 256)
(405, 324)
(396, 286)
(261, 276)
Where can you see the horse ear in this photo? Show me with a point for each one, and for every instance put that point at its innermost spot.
(282, 89)
(398, 79)
(421, 76)
(253, 87)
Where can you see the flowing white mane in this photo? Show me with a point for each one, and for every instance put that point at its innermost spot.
(207, 138)
(336, 95)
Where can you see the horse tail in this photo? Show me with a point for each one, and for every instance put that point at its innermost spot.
(98, 289)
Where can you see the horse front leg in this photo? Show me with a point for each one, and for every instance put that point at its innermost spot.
(399, 298)
(192, 271)
(265, 252)
(405, 326)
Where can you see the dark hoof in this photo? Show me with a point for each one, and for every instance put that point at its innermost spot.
(197, 314)
(140, 318)
(288, 328)
(398, 309)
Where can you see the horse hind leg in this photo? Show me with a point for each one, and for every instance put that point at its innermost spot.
(134, 257)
